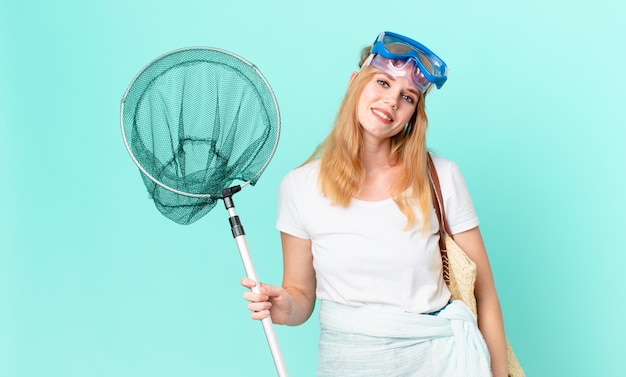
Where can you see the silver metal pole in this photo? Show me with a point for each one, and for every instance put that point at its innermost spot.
(240, 239)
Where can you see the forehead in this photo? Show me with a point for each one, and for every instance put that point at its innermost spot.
(396, 68)
(404, 84)
(405, 68)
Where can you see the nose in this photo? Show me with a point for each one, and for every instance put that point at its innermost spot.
(392, 101)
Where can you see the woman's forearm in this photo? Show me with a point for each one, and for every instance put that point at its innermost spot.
(301, 308)
(491, 326)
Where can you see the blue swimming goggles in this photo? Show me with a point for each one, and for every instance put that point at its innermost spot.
(399, 56)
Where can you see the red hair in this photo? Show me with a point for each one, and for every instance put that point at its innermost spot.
(341, 174)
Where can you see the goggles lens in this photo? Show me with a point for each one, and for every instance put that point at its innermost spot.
(393, 54)
(401, 68)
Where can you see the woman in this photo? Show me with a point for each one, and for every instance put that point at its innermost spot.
(359, 233)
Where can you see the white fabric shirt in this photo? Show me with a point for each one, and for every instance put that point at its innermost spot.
(361, 253)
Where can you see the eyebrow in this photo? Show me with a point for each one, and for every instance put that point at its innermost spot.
(413, 90)
(410, 88)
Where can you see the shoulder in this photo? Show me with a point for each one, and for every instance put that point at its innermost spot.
(445, 168)
(304, 172)
(450, 178)
(456, 197)
(301, 177)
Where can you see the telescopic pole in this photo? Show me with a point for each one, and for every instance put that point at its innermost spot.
(240, 239)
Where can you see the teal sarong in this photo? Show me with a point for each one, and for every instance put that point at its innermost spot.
(376, 342)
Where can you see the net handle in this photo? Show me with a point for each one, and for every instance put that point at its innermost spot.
(246, 258)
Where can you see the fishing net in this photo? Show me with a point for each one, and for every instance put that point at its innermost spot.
(202, 123)
(195, 121)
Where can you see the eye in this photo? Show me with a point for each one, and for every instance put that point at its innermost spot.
(382, 83)
(407, 98)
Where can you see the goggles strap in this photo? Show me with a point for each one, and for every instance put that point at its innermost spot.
(368, 61)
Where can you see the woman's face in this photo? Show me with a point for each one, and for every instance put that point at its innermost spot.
(386, 105)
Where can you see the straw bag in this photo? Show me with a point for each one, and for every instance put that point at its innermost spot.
(459, 271)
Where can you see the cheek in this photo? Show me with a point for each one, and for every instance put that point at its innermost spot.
(363, 104)
(407, 113)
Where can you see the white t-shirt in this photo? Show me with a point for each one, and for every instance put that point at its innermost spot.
(361, 253)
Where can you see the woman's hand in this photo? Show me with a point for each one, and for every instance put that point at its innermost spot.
(292, 303)
(272, 301)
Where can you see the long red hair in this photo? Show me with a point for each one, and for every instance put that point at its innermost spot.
(341, 174)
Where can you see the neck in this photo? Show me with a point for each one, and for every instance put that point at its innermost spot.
(380, 173)
(376, 156)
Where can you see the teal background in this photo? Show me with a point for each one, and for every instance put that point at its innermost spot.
(95, 282)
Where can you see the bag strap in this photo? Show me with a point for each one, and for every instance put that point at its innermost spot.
(437, 199)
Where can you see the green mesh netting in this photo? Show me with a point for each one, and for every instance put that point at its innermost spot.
(195, 121)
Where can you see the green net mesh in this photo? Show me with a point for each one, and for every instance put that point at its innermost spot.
(196, 121)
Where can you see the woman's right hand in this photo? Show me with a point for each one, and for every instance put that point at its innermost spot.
(271, 300)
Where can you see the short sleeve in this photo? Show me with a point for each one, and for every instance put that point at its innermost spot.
(458, 203)
(289, 219)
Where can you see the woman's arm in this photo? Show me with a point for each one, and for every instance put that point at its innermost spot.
(490, 320)
(293, 303)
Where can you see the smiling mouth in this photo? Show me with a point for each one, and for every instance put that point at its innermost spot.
(383, 115)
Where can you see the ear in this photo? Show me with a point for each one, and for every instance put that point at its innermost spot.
(352, 76)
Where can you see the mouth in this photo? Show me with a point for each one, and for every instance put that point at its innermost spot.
(384, 115)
